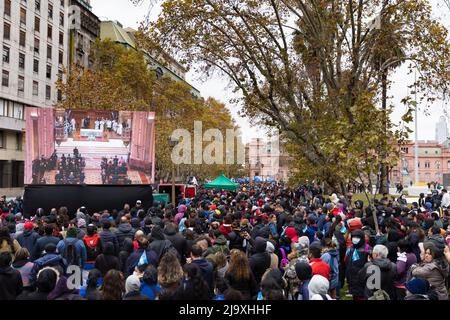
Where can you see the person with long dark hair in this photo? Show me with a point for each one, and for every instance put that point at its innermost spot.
(113, 286)
(239, 275)
(193, 286)
(91, 290)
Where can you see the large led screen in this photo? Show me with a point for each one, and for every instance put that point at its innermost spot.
(79, 147)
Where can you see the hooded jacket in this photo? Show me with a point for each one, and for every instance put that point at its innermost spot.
(159, 243)
(125, 230)
(436, 273)
(355, 259)
(107, 260)
(332, 259)
(62, 292)
(207, 272)
(388, 271)
(48, 260)
(318, 287)
(260, 260)
(10, 283)
(177, 240)
(109, 236)
(28, 240)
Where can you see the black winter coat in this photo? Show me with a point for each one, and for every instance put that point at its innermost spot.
(10, 283)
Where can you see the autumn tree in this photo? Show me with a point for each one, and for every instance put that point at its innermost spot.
(120, 79)
(313, 69)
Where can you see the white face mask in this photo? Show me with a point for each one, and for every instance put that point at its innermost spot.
(356, 240)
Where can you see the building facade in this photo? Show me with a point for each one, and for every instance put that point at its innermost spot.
(82, 38)
(267, 160)
(34, 43)
(433, 165)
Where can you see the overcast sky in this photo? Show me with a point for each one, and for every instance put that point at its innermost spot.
(130, 16)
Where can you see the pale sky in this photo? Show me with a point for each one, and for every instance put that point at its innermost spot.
(130, 16)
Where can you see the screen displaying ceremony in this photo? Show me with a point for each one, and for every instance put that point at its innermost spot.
(74, 147)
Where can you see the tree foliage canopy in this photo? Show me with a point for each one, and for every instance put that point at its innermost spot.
(312, 68)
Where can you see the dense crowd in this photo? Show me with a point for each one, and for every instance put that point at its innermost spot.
(262, 242)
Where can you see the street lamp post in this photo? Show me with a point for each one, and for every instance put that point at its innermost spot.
(172, 144)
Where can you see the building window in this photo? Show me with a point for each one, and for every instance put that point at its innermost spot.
(37, 6)
(61, 38)
(18, 141)
(62, 3)
(438, 164)
(404, 149)
(59, 93)
(5, 78)
(427, 164)
(448, 164)
(18, 111)
(7, 8)
(50, 11)
(49, 52)
(35, 88)
(21, 85)
(23, 16)
(61, 19)
(6, 31)
(49, 32)
(21, 61)
(418, 164)
(36, 65)
(2, 141)
(17, 174)
(37, 24)
(61, 57)
(48, 92)
(49, 71)
(5, 54)
(22, 38)
(36, 45)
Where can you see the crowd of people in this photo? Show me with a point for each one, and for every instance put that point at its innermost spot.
(70, 169)
(261, 242)
(114, 171)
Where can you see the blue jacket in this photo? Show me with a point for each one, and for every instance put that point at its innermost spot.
(207, 271)
(150, 292)
(41, 243)
(332, 259)
(28, 239)
(48, 260)
(79, 247)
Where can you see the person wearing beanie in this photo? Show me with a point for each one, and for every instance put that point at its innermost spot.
(417, 289)
(260, 261)
(318, 288)
(28, 238)
(133, 289)
(72, 249)
(270, 249)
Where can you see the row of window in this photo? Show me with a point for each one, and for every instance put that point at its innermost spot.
(12, 109)
(37, 9)
(13, 177)
(437, 164)
(21, 86)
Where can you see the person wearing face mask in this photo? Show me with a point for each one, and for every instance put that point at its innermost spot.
(355, 258)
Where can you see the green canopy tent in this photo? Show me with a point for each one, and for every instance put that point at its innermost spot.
(222, 182)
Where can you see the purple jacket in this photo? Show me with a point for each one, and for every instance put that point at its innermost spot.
(404, 262)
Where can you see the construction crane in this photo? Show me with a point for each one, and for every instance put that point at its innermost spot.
(151, 5)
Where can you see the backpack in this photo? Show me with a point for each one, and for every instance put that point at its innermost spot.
(70, 253)
(284, 260)
(380, 295)
(93, 247)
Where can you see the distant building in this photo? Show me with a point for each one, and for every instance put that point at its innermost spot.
(82, 39)
(441, 130)
(434, 163)
(34, 35)
(163, 64)
(267, 160)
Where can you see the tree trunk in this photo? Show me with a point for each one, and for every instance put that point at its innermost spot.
(384, 169)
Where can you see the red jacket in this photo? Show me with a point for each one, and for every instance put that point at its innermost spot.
(225, 230)
(321, 268)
